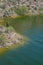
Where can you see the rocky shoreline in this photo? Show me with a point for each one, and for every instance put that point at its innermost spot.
(9, 37)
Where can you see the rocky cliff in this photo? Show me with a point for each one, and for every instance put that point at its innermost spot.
(20, 7)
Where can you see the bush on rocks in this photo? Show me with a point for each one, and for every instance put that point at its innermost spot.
(22, 10)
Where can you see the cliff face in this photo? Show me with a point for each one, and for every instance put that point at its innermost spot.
(6, 8)
(20, 7)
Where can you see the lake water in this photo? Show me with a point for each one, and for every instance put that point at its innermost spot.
(32, 52)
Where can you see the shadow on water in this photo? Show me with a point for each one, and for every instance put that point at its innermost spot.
(32, 52)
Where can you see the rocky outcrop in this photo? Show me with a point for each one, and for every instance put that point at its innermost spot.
(11, 7)
(9, 37)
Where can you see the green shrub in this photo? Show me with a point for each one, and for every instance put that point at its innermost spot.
(2, 39)
(22, 10)
(9, 29)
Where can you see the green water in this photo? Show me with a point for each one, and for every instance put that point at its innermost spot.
(32, 52)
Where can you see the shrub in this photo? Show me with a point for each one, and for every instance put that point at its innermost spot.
(22, 10)
(9, 29)
(2, 39)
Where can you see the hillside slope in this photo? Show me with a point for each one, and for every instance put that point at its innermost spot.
(20, 7)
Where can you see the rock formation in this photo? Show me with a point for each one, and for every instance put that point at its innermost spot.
(11, 7)
(9, 37)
